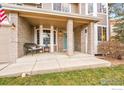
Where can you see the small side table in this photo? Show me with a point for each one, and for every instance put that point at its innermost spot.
(46, 49)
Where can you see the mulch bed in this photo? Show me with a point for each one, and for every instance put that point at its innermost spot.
(114, 61)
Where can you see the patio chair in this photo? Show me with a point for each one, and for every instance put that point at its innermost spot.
(32, 47)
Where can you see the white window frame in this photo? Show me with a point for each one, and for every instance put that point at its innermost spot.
(35, 36)
(106, 32)
(61, 10)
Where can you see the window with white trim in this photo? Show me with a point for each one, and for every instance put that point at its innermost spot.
(46, 37)
(101, 8)
(90, 8)
(63, 7)
(102, 33)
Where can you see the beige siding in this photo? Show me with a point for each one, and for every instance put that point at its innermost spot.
(83, 8)
(14, 37)
(5, 40)
(60, 41)
(103, 19)
(74, 8)
(77, 39)
(47, 6)
(25, 35)
(30, 4)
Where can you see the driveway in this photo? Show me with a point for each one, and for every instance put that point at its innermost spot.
(48, 63)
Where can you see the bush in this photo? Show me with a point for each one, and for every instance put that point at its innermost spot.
(112, 48)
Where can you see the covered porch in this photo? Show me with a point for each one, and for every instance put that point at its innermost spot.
(60, 33)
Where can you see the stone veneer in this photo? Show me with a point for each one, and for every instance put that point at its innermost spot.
(25, 35)
(77, 39)
(5, 42)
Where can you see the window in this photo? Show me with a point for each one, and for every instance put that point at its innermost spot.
(54, 37)
(102, 34)
(57, 6)
(101, 8)
(99, 34)
(38, 37)
(64, 7)
(46, 37)
(90, 8)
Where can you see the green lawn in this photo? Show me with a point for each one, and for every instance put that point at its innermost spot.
(98, 76)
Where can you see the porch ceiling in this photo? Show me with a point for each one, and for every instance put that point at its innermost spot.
(59, 21)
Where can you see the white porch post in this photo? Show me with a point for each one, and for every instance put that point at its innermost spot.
(52, 39)
(57, 40)
(95, 28)
(70, 38)
(95, 38)
(41, 35)
(91, 38)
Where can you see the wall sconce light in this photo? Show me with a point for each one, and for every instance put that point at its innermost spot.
(60, 31)
(13, 26)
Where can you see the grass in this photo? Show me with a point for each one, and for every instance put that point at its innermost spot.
(98, 76)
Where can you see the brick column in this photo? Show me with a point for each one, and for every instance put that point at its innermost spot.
(52, 39)
(91, 38)
(70, 38)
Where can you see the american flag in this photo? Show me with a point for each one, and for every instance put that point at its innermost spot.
(2, 14)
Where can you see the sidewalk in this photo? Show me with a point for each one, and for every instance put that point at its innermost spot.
(47, 63)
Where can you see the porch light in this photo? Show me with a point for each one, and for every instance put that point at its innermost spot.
(60, 32)
(13, 26)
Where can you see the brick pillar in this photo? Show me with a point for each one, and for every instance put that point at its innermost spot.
(52, 39)
(91, 38)
(70, 38)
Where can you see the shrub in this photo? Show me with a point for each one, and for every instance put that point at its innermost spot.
(112, 48)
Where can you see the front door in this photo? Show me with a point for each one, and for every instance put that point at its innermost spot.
(65, 41)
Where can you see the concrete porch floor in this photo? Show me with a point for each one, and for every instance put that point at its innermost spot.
(56, 62)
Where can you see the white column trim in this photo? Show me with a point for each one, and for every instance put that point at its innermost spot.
(107, 24)
(86, 42)
(95, 38)
(57, 39)
(80, 8)
(70, 8)
(86, 8)
(91, 38)
(41, 35)
(52, 39)
(52, 6)
(94, 9)
(70, 37)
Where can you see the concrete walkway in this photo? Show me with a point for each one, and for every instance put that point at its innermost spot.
(47, 63)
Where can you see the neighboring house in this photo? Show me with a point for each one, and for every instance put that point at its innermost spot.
(112, 22)
(68, 27)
